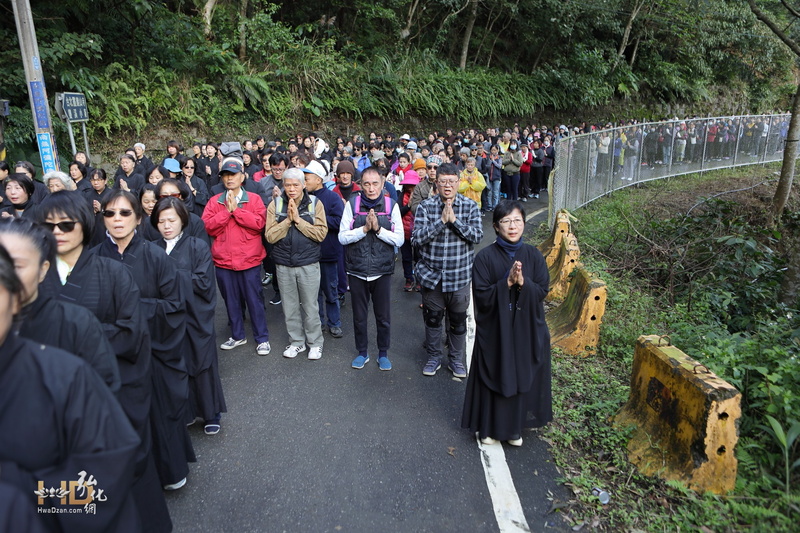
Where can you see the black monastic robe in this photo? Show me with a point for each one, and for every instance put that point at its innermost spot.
(509, 379)
(163, 305)
(196, 270)
(108, 290)
(58, 419)
(73, 329)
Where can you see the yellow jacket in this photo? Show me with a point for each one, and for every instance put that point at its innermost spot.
(471, 189)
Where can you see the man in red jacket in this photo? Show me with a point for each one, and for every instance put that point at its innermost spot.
(236, 218)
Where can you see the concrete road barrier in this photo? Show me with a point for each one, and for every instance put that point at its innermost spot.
(562, 267)
(575, 324)
(552, 245)
(686, 418)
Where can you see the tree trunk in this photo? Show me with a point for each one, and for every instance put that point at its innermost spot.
(462, 64)
(790, 285)
(626, 35)
(789, 161)
(208, 14)
(243, 30)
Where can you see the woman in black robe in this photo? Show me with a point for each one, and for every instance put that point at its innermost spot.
(196, 269)
(509, 379)
(163, 305)
(108, 290)
(176, 189)
(63, 325)
(99, 193)
(19, 192)
(59, 423)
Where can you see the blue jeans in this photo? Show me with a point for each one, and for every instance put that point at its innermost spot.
(494, 195)
(329, 294)
(237, 288)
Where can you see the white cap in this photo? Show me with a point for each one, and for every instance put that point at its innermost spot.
(405, 137)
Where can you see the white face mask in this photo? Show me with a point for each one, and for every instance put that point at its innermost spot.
(512, 147)
(547, 143)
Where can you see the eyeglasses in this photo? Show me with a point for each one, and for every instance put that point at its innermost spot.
(187, 166)
(110, 213)
(65, 226)
(447, 182)
(433, 167)
(169, 195)
(511, 222)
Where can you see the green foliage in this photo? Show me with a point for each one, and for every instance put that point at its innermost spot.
(726, 316)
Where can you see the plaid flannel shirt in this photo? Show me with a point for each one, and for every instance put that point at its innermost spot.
(446, 250)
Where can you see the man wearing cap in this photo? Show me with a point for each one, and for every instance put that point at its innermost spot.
(295, 227)
(331, 251)
(446, 229)
(411, 149)
(235, 218)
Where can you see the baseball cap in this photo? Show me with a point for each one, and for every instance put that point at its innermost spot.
(172, 165)
(405, 137)
(232, 165)
(411, 145)
(314, 167)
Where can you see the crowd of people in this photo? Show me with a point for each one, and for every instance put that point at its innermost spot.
(123, 271)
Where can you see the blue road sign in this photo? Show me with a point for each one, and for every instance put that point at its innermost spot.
(40, 105)
(47, 152)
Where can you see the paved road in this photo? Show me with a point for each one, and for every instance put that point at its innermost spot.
(318, 446)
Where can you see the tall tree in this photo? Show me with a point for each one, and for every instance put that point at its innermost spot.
(473, 14)
(793, 136)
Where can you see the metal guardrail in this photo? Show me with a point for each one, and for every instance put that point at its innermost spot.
(591, 165)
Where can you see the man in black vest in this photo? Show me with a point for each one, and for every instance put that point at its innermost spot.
(296, 226)
(370, 230)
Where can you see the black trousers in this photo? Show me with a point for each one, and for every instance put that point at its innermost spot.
(379, 291)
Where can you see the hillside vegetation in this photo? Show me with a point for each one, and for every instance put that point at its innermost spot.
(706, 271)
(218, 66)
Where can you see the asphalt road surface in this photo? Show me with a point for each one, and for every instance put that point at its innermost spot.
(315, 446)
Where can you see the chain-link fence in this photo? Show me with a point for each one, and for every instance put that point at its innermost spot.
(590, 165)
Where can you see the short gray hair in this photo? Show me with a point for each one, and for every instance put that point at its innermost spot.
(64, 178)
(295, 174)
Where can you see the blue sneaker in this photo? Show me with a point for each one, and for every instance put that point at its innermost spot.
(360, 361)
(431, 367)
(457, 368)
(384, 363)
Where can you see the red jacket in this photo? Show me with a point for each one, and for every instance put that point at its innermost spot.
(237, 236)
(526, 164)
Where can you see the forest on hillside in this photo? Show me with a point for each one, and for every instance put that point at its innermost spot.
(212, 63)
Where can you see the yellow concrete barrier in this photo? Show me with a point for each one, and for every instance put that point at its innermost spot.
(575, 324)
(562, 267)
(561, 229)
(686, 418)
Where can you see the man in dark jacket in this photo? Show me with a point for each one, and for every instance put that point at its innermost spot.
(371, 228)
(296, 226)
(330, 251)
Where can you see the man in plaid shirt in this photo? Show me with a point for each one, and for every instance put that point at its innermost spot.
(446, 229)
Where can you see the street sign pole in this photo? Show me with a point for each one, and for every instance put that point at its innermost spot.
(71, 137)
(86, 141)
(36, 88)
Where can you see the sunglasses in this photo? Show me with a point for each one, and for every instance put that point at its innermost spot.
(65, 227)
(110, 213)
(173, 195)
(190, 168)
(432, 167)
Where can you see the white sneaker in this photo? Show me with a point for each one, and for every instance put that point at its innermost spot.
(291, 351)
(315, 353)
(175, 486)
(232, 343)
(263, 348)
